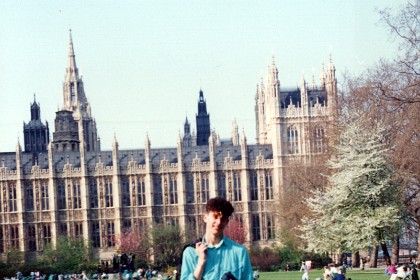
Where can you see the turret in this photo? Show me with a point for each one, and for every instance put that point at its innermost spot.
(187, 139)
(19, 171)
(147, 149)
(235, 133)
(303, 93)
(187, 127)
(36, 134)
(115, 162)
(202, 121)
(331, 88)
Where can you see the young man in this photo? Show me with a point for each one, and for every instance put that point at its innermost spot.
(216, 256)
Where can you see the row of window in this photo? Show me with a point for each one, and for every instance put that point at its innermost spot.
(133, 191)
(293, 140)
(103, 234)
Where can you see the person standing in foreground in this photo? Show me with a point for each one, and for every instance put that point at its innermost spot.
(216, 256)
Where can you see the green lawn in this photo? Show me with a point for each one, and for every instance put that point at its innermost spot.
(313, 274)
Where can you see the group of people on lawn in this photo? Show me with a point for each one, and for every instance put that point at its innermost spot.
(404, 271)
(331, 272)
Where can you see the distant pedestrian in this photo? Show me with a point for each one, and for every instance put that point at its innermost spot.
(305, 275)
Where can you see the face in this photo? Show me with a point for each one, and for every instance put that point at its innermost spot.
(215, 222)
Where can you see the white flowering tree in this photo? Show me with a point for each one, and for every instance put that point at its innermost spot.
(360, 207)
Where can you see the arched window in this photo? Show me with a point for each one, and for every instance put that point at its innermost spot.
(319, 136)
(173, 190)
(293, 140)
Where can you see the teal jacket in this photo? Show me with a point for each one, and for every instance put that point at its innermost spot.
(227, 256)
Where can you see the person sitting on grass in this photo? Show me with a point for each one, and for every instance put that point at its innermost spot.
(339, 275)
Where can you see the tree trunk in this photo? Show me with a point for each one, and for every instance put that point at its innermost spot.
(418, 243)
(355, 259)
(374, 257)
(386, 253)
(395, 249)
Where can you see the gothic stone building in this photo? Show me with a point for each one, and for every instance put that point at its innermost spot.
(69, 186)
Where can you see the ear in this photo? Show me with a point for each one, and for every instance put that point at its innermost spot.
(205, 218)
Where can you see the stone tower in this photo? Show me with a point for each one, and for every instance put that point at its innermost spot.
(203, 122)
(36, 134)
(75, 101)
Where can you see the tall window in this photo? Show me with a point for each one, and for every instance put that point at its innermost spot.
(254, 186)
(47, 234)
(293, 140)
(204, 187)
(157, 196)
(127, 224)
(125, 193)
(93, 193)
(1, 240)
(256, 234)
(95, 233)
(12, 198)
(63, 229)
(31, 238)
(237, 196)
(78, 230)
(271, 233)
(14, 236)
(141, 191)
(29, 197)
(72, 93)
(268, 185)
(173, 193)
(44, 196)
(61, 193)
(77, 202)
(221, 184)
(108, 194)
(111, 234)
(189, 186)
(319, 139)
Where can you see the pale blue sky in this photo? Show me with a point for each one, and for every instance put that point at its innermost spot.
(144, 62)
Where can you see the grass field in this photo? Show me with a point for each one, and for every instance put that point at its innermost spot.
(313, 274)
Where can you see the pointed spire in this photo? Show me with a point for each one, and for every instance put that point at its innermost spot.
(147, 140)
(313, 82)
(72, 58)
(114, 141)
(18, 147)
(235, 134)
(243, 135)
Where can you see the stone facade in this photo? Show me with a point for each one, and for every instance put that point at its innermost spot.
(76, 189)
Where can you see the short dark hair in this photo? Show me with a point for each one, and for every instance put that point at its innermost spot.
(220, 204)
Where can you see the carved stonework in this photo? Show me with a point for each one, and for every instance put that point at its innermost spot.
(109, 213)
(239, 207)
(78, 214)
(254, 206)
(132, 167)
(100, 168)
(142, 212)
(13, 217)
(36, 171)
(3, 173)
(46, 216)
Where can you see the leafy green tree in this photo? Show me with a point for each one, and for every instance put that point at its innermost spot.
(361, 206)
(167, 244)
(70, 255)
